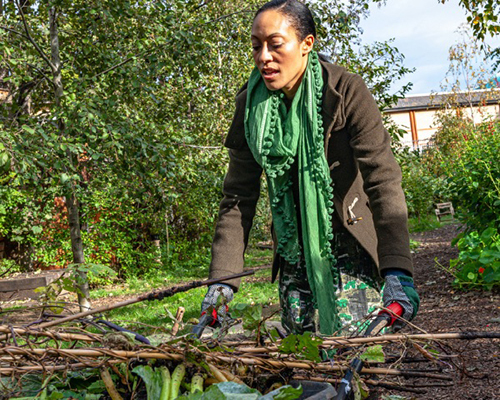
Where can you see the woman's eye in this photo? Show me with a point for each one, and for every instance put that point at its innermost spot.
(276, 45)
(256, 47)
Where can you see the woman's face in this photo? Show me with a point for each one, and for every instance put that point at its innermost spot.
(279, 54)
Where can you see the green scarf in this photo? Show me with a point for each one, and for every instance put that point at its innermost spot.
(276, 138)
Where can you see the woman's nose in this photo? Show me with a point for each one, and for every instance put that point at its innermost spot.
(265, 56)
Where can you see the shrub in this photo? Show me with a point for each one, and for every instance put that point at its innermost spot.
(468, 155)
(478, 263)
(421, 187)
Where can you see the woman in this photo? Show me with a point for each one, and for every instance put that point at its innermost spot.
(339, 214)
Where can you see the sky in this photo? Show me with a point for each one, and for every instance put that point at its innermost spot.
(423, 31)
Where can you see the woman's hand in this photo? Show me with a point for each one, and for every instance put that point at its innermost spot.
(399, 288)
(216, 300)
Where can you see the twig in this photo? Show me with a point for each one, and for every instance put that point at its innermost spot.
(213, 357)
(178, 319)
(345, 341)
(127, 60)
(51, 334)
(5, 28)
(217, 374)
(54, 368)
(193, 146)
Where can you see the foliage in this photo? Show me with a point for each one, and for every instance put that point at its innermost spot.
(251, 314)
(70, 281)
(421, 186)
(8, 267)
(373, 353)
(134, 131)
(81, 385)
(232, 390)
(469, 159)
(305, 346)
(379, 63)
(483, 19)
(427, 222)
(474, 177)
(478, 264)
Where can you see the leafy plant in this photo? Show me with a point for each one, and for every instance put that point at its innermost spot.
(478, 263)
(373, 353)
(251, 314)
(232, 390)
(304, 346)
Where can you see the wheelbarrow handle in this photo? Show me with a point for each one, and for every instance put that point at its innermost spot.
(383, 319)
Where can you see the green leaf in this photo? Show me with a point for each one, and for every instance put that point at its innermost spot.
(235, 391)
(284, 393)
(303, 346)
(489, 256)
(151, 378)
(28, 129)
(64, 178)
(373, 353)
(36, 229)
(4, 159)
(251, 314)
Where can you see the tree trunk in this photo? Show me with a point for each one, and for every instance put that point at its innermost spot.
(77, 248)
(72, 203)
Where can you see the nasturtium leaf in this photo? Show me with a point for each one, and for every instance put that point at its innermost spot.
(373, 353)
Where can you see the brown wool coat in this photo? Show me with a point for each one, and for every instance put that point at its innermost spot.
(366, 177)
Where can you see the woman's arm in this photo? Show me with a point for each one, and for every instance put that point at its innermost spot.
(381, 176)
(237, 209)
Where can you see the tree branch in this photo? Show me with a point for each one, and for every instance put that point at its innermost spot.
(14, 31)
(120, 64)
(244, 11)
(43, 74)
(38, 49)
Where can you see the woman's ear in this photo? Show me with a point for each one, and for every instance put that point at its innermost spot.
(307, 44)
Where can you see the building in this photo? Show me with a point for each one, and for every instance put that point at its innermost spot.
(417, 114)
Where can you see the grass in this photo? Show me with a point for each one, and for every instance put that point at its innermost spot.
(428, 222)
(256, 289)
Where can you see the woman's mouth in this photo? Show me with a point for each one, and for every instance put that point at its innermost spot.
(269, 73)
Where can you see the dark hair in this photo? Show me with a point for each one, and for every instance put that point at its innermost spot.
(300, 16)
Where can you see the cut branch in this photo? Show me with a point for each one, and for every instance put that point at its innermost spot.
(69, 337)
(265, 363)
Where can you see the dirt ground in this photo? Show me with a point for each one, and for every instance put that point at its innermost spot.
(475, 364)
(476, 370)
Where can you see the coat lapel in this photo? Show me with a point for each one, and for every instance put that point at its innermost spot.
(332, 110)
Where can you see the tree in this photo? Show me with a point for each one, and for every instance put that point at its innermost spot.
(132, 100)
(482, 16)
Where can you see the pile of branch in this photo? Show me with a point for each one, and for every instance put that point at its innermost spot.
(38, 349)
(24, 352)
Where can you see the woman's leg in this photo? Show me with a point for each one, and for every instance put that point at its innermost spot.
(298, 314)
(358, 293)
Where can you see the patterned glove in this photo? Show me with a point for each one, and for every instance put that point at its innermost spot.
(399, 288)
(216, 299)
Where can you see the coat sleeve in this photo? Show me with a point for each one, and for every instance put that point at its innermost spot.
(237, 209)
(381, 176)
